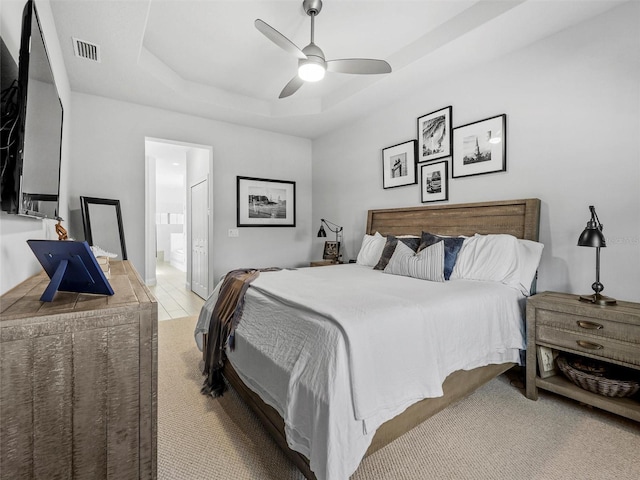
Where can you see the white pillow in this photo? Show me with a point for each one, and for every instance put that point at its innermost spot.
(428, 264)
(499, 258)
(529, 255)
(371, 249)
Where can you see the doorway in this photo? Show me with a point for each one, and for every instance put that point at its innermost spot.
(173, 169)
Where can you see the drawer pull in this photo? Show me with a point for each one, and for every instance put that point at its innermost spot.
(589, 345)
(589, 325)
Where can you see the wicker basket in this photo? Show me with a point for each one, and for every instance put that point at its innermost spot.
(595, 378)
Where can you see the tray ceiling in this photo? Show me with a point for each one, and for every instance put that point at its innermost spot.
(206, 58)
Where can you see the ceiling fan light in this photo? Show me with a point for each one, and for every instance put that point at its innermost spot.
(311, 72)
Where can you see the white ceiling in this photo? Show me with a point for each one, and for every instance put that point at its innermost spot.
(205, 57)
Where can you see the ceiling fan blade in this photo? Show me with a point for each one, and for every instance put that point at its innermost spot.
(360, 66)
(279, 39)
(291, 87)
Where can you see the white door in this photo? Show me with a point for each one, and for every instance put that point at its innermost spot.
(199, 239)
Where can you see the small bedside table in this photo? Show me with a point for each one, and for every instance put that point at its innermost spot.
(607, 333)
(324, 263)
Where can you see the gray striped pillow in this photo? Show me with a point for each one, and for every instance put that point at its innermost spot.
(428, 264)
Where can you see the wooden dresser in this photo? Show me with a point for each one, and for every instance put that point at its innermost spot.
(562, 323)
(78, 381)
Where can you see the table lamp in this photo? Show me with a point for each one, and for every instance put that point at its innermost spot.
(592, 237)
(337, 229)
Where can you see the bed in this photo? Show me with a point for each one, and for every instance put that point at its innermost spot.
(380, 422)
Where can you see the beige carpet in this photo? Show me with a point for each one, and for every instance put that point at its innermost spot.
(496, 433)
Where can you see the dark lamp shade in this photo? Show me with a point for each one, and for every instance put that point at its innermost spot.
(592, 237)
(321, 232)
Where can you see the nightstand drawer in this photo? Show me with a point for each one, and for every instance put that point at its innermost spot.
(590, 326)
(599, 346)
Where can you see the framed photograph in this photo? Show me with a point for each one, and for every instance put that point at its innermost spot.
(434, 181)
(399, 165)
(266, 203)
(547, 361)
(434, 135)
(331, 251)
(480, 147)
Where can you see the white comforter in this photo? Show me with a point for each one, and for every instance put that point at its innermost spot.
(339, 350)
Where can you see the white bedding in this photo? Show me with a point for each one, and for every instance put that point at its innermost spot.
(339, 350)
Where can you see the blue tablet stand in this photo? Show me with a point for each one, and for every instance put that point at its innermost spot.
(71, 266)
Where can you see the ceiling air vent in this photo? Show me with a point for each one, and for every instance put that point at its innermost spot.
(88, 50)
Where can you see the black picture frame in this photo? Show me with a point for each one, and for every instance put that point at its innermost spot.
(434, 135)
(331, 251)
(480, 147)
(102, 223)
(399, 165)
(264, 202)
(434, 181)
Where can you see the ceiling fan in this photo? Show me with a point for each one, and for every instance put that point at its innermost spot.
(311, 62)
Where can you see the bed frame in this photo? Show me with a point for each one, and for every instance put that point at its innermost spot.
(519, 218)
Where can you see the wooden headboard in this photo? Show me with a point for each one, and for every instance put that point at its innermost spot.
(519, 218)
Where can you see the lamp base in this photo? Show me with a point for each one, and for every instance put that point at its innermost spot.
(598, 299)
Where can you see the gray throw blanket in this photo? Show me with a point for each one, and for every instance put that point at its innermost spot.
(224, 320)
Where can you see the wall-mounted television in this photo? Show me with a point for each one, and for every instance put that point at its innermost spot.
(32, 116)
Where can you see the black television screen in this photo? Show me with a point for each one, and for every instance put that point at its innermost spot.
(9, 130)
(31, 160)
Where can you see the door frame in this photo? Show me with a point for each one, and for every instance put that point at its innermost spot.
(150, 214)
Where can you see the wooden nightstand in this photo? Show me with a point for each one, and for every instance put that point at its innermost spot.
(324, 263)
(609, 334)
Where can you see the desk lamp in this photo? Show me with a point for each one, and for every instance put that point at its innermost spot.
(337, 229)
(592, 237)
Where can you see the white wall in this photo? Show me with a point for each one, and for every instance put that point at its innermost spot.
(171, 199)
(108, 151)
(573, 122)
(197, 165)
(17, 262)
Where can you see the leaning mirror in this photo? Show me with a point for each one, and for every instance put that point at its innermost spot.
(102, 221)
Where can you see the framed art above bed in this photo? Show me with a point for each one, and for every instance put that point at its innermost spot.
(434, 181)
(399, 165)
(480, 147)
(434, 135)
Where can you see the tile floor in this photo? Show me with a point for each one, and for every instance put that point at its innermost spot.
(174, 300)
